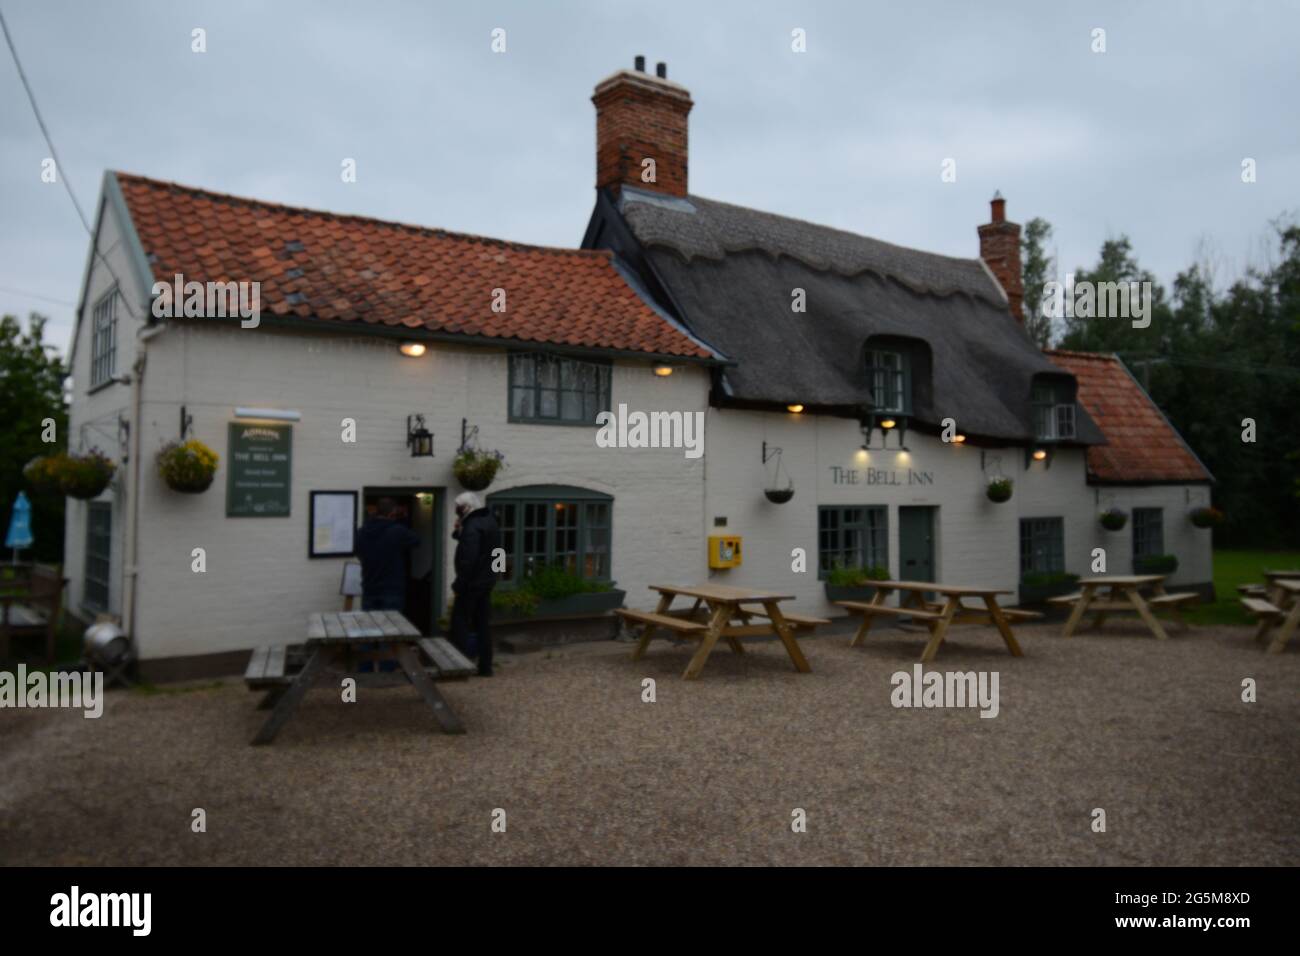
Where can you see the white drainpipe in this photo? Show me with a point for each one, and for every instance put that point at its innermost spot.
(131, 571)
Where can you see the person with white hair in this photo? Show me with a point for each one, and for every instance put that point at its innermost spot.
(477, 540)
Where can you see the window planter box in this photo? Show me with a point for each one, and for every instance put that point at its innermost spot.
(589, 604)
(1155, 564)
(849, 592)
(1038, 593)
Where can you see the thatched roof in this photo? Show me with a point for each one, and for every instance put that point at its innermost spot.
(732, 270)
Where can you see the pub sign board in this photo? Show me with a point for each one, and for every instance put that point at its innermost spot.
(257, 485)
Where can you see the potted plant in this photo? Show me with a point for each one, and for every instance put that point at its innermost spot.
(1155, 564)
(552, 592)
(1206, 517)
(853, 584)
(779, 496)
(1038, 586)
(476, 469)
(85, 476)
(43, 471)
(187, 467)
(1113, 519)
(999, 489)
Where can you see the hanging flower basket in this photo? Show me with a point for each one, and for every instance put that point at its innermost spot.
(1206, 517)
(85, 476)
(187, 467)
(475, 469)
(999, 490)
(42, 473)
(1113, 519)
(779, 496)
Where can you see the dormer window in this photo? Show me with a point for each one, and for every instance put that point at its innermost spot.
(1053, 411)
(887, 374)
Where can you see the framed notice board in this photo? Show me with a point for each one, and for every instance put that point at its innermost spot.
(257, 483)
(332, 524)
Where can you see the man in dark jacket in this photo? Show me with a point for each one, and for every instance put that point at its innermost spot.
(384, 546)
(477, 540)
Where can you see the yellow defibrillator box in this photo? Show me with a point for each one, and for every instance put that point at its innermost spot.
(724, 552)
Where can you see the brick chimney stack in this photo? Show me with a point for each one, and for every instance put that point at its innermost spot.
(641, 117)
(1000, 250)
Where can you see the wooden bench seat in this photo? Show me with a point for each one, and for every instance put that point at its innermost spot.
(1017, 614)
(267, 668)
(797, 621)
(681, 625)
(1253, 590)
(1261, 608)
(1065, 599)
(1173, 600)
(862, 607)
(445, 657)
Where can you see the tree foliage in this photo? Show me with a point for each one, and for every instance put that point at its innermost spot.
(31, 391)
(1212, 359)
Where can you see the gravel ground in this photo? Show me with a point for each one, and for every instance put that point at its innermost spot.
(1153, 732)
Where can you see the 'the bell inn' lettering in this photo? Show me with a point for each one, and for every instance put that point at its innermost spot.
(879, 476)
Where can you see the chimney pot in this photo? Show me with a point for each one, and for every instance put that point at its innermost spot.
(998, 206)
(640, 64)
(661, 70)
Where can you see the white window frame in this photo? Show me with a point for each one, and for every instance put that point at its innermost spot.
(103, 339)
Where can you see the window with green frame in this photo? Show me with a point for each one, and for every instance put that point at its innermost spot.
(852, 537)
(888, 376)
(1053, 409)
(1042, 545)
(557, 389)
(1148, 532)
(554, 525)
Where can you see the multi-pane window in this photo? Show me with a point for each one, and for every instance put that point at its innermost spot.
(854, 537)
(99, 538)
(1053, 413)
(103, 350)
(1148, 532)
(551, 388)
(1042, 545)
(887, 373)
(567, 528)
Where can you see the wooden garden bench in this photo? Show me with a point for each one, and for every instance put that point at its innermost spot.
(682, 624)
(30, 605)
(800, 622)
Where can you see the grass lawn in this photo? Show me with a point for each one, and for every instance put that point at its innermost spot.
(1232, 568)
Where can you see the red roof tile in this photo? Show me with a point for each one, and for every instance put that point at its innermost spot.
(1141, 443)
(382, 273)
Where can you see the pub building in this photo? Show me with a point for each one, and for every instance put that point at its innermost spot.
(857, 397)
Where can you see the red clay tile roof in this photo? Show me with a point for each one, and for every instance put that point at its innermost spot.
(352, 269)
(1142, 445)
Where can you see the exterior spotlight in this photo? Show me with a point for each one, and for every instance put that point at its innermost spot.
(662, 370)
(412, 349)
(958, 439)
(888, 423)
(794, 408)
(1039, 454)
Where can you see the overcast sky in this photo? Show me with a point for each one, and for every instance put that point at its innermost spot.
(1146, 139)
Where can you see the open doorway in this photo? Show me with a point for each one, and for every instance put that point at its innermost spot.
(420, 509)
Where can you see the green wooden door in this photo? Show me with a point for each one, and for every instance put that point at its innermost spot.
(916, 543)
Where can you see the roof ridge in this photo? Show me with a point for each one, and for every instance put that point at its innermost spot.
(353, 217)
(846, 232)
(1099, 356)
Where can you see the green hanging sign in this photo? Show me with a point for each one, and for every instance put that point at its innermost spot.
(258, 470)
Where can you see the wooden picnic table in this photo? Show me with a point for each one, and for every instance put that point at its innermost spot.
(335, 641)
(937, 616)
(711, 618)
(1281, 609)
(1125, 595)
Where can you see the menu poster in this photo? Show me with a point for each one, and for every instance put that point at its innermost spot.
(333, 524)
(259, 466)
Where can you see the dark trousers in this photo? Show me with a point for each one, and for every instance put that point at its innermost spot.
(472, 614)
(383, 601)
